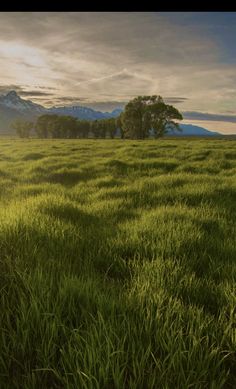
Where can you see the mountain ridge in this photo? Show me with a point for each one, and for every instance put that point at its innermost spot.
(12, 106)
(193, 130)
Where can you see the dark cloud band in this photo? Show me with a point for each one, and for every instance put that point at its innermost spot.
(192, 115)
(34, 93)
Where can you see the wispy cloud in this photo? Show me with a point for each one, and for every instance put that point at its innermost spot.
(122, 73)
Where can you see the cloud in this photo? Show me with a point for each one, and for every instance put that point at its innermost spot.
(4, 89)
(45, 87)
(70, 98)
(146, 36)
(97, 46)
(122, 75)
(34, 93)
(113, 104)
(175, 100)
(209, 116)
(103, 58)
(105, 105)
(49, 103)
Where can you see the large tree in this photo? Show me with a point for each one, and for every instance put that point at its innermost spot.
(145, 113)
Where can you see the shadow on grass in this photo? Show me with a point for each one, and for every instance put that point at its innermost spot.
(209, 259)
(70, 177)
(222, 198)
(109, 184)
(117, 166)
(33, 157)
(202, 156)
(71, 214)
(164, 166)
(94, 237)
(230, 155)
(120, 167)
(4, 174)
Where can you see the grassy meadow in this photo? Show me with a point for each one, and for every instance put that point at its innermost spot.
(118, 264)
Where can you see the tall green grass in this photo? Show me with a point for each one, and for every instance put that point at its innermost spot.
(118, 264)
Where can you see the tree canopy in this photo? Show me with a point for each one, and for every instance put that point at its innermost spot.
(145, 113)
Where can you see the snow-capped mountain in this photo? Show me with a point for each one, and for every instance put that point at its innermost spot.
(13, 101)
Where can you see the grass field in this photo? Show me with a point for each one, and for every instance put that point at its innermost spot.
(118, 264)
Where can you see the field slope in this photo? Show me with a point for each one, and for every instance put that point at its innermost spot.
(118, 264)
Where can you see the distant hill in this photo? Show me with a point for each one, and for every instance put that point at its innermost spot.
(12, 106)
(191, 130)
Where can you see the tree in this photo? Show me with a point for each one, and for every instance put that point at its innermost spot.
(83, 128)
(111, 127)
(103, 127)
(69, 127)
(55, 127)
(22, 127)
(43, 125)
(148, 112)
(95, 128)
(119, 125)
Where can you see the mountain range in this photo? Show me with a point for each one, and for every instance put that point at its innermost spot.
(12, 106)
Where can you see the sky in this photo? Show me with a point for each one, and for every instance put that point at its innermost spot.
(102, 60)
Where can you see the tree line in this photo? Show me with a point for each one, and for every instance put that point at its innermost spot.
(61, 126)
(142, 116)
